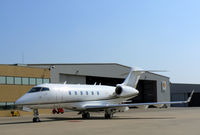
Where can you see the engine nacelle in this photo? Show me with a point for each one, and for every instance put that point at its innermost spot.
(125, 91)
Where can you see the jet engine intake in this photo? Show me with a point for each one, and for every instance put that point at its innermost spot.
(125, 91)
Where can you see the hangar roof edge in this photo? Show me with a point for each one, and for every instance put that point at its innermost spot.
(93, 64)
(159, 75)
(185, 83)
(80, 64)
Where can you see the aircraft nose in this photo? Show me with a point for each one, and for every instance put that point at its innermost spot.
(22, 100)
(19, 101)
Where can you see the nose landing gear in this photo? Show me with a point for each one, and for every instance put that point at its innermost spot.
(36, 115)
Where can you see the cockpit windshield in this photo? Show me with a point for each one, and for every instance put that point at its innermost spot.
(38, 89)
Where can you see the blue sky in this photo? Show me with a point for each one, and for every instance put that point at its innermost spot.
(151, 34)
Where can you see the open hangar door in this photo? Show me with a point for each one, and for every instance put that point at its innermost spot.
(195, 102)
(103, 80)
(147, 91)
(147, 88)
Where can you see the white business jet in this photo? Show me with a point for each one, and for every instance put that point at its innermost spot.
(86, 98)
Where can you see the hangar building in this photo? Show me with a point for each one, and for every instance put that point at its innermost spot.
(180, 92)
(16, 80)
(152, 87)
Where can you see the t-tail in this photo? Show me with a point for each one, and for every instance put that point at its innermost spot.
(133, 77)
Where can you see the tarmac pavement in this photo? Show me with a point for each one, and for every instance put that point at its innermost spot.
(170, 121)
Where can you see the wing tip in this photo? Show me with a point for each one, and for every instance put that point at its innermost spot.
(190, 97)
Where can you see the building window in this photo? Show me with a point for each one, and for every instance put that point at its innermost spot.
(45, 80)
(2, 80)
(25, 81)
(10, 80)
(32, 81)
(38, 81)
(18, 80)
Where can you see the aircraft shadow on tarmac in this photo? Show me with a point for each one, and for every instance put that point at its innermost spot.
(102, 118)
(53, 119)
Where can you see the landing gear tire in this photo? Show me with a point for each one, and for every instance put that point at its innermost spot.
(86, 115)
(36, 119)
(108, 116)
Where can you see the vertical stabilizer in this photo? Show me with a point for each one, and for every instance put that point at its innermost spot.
(133, 77)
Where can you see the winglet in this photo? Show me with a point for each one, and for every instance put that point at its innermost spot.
(190, 97)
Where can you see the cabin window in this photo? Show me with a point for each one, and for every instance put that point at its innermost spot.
(86, 92)
(97, 93)
(70, 93)
(81, 92)
(92, 92)
(75, 93)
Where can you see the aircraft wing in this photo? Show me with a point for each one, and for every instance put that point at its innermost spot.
(105, 106)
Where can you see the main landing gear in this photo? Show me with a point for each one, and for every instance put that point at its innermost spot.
(85, 115)
(36, 115)
(109, 114)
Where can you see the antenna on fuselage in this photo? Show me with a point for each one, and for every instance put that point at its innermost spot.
(65, 82)
(95, 83)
